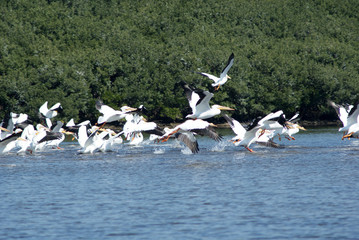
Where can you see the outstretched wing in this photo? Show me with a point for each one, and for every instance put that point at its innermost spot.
(189, 140)
(210, 76)
(229, 65)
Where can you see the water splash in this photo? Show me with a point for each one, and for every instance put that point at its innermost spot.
(159, 151)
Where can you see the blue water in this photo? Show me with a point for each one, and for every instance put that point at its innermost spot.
(308, 189)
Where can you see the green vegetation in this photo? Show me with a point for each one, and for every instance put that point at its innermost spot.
(290, 55)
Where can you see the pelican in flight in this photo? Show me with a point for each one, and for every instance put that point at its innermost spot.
(90, 143)
(295, 127)
(197, 126)
(222, 79)
(199, 102)
(349, 116)
(135, 125)
(253, 134)
(50, 113)
(109, 114)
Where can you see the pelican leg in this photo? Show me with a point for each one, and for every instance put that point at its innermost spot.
(279, 137)
(248, 149)
(262, 132)
(347, 135)
(103, 124)
(234, 141)
(289, 138)
(217, 87)
(165, 139)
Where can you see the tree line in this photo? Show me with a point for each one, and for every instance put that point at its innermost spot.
(289, 55)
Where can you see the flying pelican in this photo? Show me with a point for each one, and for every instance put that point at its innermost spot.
(222, 79)
(50, 113)
(111, 140)
(349, 116)
(253, 133)
(92, 143)
(186, 137)
(110, 114)
(275, 121)
(199, 102)
(196, 126)
(135, 125)
(295, 127)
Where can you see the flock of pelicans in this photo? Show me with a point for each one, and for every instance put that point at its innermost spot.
(18, 134)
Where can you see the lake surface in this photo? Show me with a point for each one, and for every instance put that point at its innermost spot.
(308, 189)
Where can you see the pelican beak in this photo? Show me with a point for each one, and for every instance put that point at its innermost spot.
(289, 125)
(131, 109)
(228, 77)
(4, 129)
(67, 133)
(21, 139)
(213, 125)
(302, 128)
(225, 108)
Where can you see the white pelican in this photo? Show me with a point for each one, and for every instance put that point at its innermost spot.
(73, 128)
(185, 137)
(9, 143)
(349, 116)
(295, 127)
(8, 124)
(111, 140)
(92, 143)
(135, 125)
(54, 137)
(342, 111)
(50, 113)
(222, 79)
(245, 137)
(197, 126)
(25, 142)
(274, 122)
(109, 114)
(199, 102)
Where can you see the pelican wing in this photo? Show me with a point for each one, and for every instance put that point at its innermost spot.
(270, 143)
(51, 136)
(55, 107)
(210, 76)
(235, 125)
(229, 65)
(189, 140)
(209, 132)
(354, 117)
(193, 96)
(43, 109)
(203, 104)
(341, 112)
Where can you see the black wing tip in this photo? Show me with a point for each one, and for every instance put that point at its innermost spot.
(99, 104)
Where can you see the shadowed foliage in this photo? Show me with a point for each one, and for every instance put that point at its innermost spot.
(289, 55)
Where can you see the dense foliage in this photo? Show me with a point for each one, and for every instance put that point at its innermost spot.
(290, 55)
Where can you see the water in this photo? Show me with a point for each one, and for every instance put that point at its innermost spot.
(309, 189)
